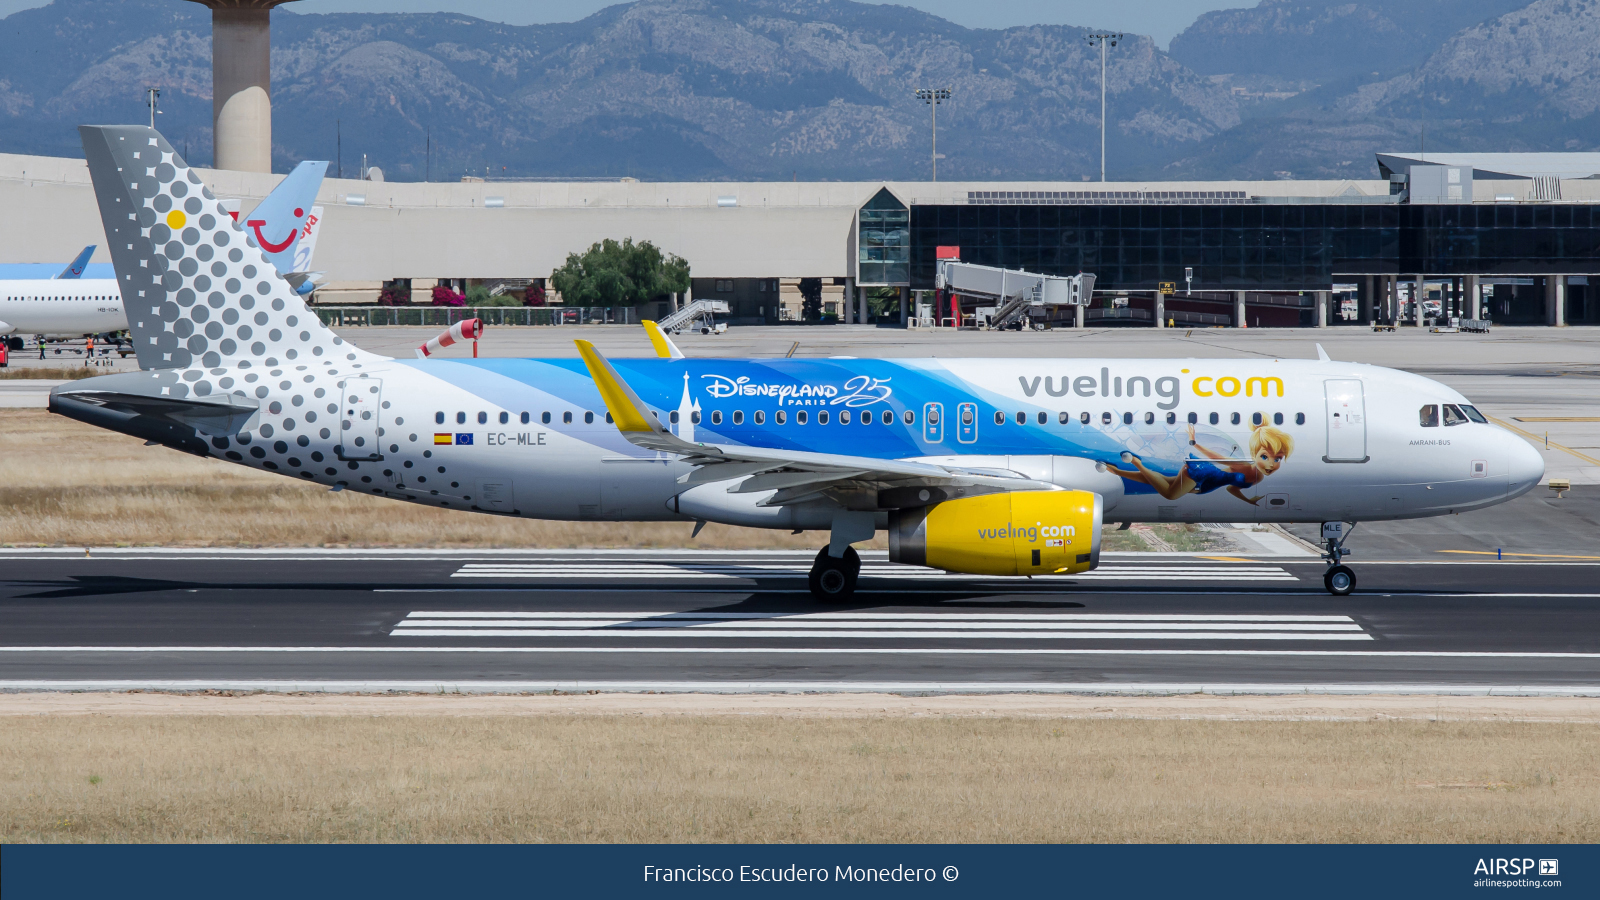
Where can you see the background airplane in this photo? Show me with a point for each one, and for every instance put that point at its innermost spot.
(986, 466)
(68, 304)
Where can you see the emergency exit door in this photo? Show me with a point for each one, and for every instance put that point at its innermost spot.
(358, 418)
(1347, 421)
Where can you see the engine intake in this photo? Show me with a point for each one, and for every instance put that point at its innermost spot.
(1016, 533)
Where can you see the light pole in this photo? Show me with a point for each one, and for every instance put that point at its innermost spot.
(1103, 40)
(152, 96)
(933, 97)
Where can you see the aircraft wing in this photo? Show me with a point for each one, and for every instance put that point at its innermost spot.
(795, 475)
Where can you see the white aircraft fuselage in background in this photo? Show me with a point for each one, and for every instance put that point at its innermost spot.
(61, 306)
(954, 457)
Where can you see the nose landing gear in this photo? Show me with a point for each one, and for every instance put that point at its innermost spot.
(834, 578)
(1339, 579)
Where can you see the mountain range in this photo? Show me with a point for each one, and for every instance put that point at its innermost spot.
(825, 89)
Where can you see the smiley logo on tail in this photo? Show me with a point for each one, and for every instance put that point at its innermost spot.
(280, 246)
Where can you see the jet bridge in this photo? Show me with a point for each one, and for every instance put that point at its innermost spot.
(1016, 293)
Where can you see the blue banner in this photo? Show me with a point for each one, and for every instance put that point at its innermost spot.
(390, 871)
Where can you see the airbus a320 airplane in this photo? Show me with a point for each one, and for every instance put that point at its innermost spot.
(983, 466)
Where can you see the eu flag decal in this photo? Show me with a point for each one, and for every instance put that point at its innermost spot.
(463, 439)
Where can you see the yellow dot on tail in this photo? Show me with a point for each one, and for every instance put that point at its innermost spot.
(175, 219)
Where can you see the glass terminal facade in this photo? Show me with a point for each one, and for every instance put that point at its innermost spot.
(1236, 246)
(883, 243)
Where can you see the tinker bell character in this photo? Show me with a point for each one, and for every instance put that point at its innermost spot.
(1269, 447)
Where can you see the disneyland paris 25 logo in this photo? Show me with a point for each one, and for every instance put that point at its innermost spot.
(862, 390)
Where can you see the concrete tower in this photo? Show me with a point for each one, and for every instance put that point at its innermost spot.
(241, 83)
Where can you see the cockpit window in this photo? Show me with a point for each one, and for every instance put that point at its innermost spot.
(1453, 415)
(1473, 414)
(1429, 416)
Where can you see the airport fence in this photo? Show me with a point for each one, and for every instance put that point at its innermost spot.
(445, 316)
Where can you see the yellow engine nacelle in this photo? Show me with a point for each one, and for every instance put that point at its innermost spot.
(1017, 533)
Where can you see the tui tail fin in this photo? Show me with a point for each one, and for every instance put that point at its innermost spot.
(75, 268)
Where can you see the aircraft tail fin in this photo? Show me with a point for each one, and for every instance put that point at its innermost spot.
(279, 222)
(75, 268)
(197, 288)
(665, 348)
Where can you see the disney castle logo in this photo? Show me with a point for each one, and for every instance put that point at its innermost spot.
(862, 390)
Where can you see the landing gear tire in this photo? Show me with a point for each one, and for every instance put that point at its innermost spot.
(835, 579)
(1339, 580)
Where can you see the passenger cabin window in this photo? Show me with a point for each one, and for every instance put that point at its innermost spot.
(999, 417)
(1299, 418)
(761, 417)
(1453, 415)
(1428, 416)
(525, 418)
(483, 418)
(461, 418)
(844, 417)
(673, 417)
(822, 417)
(909, 417)
(1255, 418)
(716, 417)
(1105, 418)
(888, 417)
(588, 418)
(1277, 418)
(1022, 417)
(545, 418)
(438, 418)
(1127, 418)
(566, 417)
(1064, 418)
(609, 421)
(966, 415)
(780, 417)
(505, 417)
(1149, 418)
(1214, 418)
(1083, 419)
(1234, 419)
(738, 417)
(800, 417)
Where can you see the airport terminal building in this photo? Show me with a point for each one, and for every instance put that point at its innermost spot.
(1514, 238)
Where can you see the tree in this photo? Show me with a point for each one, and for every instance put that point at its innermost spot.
(625, 274)
(811, 299)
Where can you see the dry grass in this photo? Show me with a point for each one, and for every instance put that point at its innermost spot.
(628, 778)
(66, 483)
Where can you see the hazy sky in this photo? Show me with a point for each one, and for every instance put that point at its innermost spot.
(1161, 19)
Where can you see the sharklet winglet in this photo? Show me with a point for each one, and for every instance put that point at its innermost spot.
(665, 348)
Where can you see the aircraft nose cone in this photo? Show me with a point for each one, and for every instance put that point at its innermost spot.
(1525, 469)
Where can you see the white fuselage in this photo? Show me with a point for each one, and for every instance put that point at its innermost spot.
(504, 456)
(61, 306)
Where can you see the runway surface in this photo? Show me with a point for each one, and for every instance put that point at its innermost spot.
(687, 620)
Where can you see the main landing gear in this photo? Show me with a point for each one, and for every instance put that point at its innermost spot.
(834, 578)
(1339, 579)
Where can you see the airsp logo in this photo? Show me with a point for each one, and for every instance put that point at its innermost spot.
(1514, 867)
(1549, 867)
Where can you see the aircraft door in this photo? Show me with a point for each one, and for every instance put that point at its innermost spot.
(362, 400)
(933, 422)
(1347, 421)
(967, 423)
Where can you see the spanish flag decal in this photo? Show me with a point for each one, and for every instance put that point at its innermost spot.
(442, 438)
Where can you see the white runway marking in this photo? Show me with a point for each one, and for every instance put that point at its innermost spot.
(621, 571)
(882, 626)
